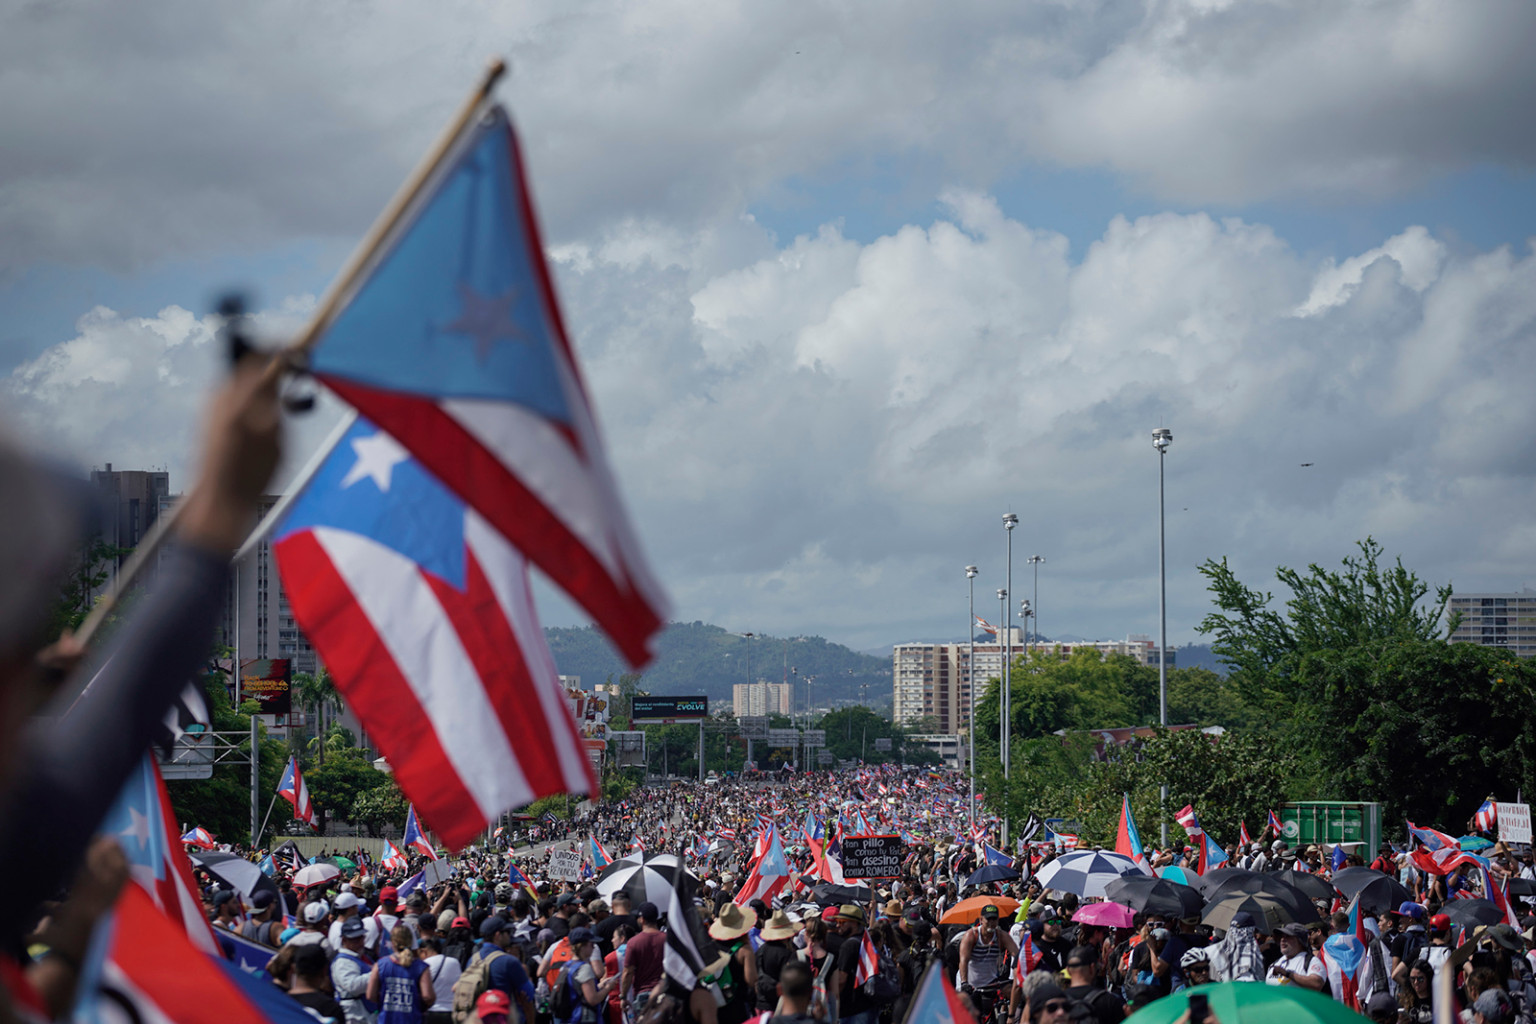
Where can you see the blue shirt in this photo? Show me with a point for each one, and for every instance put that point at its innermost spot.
(400, 992)
(506, 972)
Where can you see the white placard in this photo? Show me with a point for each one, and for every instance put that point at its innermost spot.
(565, 865)
(1514, 822)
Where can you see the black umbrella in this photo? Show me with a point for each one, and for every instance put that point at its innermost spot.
(1272, 885)
(1378, 892)
(1212, 880)
(237, 873)
(830, 895)
(992, 873)
(1312, 886)
(1268, 913)
(1471, 913)
(1154, 895)
(1522, 887)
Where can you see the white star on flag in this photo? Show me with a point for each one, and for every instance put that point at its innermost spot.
(377, 457)
(485, 318)
(138, 827)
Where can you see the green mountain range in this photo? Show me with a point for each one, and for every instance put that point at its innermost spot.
(697, 658)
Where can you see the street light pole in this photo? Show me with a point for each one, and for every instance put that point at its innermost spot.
(1035, 561)
(1162, 437)
(1009, 522)
(970, 685)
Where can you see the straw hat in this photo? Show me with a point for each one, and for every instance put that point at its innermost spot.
(730, 923)
(851, 913)
(779, 926)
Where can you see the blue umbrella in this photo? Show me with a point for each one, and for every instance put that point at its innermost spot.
(990, 873)
(1183, 876)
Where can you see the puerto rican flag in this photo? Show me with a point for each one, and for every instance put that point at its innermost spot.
(1444, 860)
(599, 856)
(453, 342)
(869, 960)
(1487, 816)
(424, 615)
(769, 874)
(392, 859)
(1242, 834)
(140, 821)
(293, 789)
(413, 838)
(1189, 820)
(985, 626)
(1433, 838)
(1274, 823)
(1029, 957)
(200, 838)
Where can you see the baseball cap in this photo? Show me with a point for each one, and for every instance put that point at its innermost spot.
(648, 911)
(566, 900)
(580, 935)
(1381, 1006)
(458, 922)
(222, 897)
(352, 927)
(1412, 910)
(1242, 919)
(1082, 956)
(1294, 930)
(316, 912)
(1044, 994)
(493, 1003)
(1440, 923)
(347, 900)
(493, 924)
(1495, 1006)
(262, 900)
(989, 912)
(389, 892)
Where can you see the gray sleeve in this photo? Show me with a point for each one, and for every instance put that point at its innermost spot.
(75, 758)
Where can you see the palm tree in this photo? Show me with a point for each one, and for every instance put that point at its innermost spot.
(317, 695)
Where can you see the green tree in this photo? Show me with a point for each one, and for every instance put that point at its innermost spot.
(316, 694)
(335, 785)
(90, 572)
(379, 807)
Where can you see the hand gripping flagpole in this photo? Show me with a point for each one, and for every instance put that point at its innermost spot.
(292, 357)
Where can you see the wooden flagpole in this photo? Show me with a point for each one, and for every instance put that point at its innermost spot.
(291, 357)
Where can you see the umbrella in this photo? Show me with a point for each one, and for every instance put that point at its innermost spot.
(345, 863)
(238, 873)
(1155, 895)
(1312, 886)
(316, 874)
(1378, 892)
(1471, 913)
(1086, 872)
(1243, 1002)
(1178, 875)
(1109, 915)
(1522, 887)
(967, 911)
(1212, 880)
(992, 873)
(1273, 885)
(1268, 912)
(1474, 843)
(829, 895)
(651, 881)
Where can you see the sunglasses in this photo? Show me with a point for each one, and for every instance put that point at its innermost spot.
(1056, 1006)
(1051, 920)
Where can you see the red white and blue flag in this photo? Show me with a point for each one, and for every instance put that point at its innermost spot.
(423, 613)
(869, 960)
(1242, 834)
(769, 873)
(453, 342)
(1433, 838)
(413, 838)
(1274, 823)
(293, 789)
(1189, 820)
(1029, 957)
(1128, 838)
(599, 856)
(1487, 816)
(199, 837)
(392, 859)
(140, 821)
(936, 1002)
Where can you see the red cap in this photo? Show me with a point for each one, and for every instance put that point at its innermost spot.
(389, 892)
(492, 1003)
(828, 914)
(1440, 923)
(460, 922)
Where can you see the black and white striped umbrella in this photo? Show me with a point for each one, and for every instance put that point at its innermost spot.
(650, 880)
(1085, 872)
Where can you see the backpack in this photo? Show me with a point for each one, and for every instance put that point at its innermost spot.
(470, 987)
(885, 984)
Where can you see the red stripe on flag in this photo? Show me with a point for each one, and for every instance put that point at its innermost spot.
(367, 675)
(472, 472)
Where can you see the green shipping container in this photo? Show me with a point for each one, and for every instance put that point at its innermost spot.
(1333, 821)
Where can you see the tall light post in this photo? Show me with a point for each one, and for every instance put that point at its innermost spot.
(1162, 437)
(1035, 561)
(1009, 522)
(970, 683)
(1025, 612)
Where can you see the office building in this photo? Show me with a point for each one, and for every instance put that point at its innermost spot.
(1506, 621)
(131, 500)
(762, 698)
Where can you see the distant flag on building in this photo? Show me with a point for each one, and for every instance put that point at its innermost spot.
(293, 789)
(413, 839)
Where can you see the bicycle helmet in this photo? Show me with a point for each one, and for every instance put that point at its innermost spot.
(503, 891)
(1200, 955)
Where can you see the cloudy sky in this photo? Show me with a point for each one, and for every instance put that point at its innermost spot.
(851, 280)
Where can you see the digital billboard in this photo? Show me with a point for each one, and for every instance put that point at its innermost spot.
(668, 709)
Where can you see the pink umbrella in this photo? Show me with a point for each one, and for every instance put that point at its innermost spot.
(1108, 915)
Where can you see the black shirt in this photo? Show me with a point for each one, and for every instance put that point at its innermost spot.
(319, 1001)
(1107, 1007)
(851, 999)
(610, 924)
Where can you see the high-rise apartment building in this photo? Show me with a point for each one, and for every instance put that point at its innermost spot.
(762, 698)
(1507, 621)
(131, 500)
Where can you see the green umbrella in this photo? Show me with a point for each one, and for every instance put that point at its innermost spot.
(1251, 1002)
(345, 863)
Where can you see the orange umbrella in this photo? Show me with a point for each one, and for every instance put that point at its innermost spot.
(967, 911)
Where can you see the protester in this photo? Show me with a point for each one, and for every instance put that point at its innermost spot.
(400, 983)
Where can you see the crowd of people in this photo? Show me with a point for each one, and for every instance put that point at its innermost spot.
(480, 945)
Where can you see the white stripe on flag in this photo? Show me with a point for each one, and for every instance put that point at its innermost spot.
(389, 588)
(507, 571)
